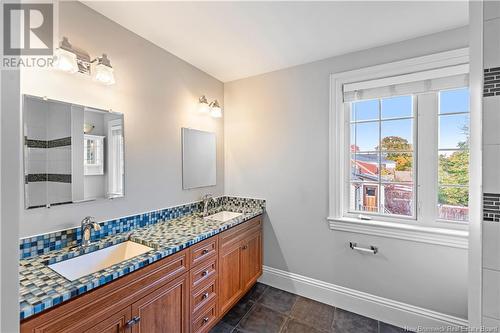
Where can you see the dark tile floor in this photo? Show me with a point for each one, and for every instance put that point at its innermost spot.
(269, 310)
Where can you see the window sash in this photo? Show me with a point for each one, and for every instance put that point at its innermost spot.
(347, 154)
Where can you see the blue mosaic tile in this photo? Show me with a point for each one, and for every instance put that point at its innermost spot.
(166, 231)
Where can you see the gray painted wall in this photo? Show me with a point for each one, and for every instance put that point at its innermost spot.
(158, 94)
(276, 146)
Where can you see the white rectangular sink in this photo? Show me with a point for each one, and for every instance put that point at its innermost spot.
(89, 263)
(223, 216)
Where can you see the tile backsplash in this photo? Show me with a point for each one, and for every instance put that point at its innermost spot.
(491, 207)
(491, 82)
(40, 244)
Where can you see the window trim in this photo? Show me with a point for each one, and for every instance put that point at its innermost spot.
(446, 233)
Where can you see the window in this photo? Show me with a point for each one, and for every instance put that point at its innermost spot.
(382, 180)
(400, 145)
(453, 148)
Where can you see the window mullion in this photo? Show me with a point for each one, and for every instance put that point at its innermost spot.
(427, 138)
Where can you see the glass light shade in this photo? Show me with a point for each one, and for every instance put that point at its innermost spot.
(65, 61)
(104, 74)
(203, 108)
(216, 112)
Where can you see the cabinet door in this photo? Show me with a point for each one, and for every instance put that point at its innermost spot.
(251, 260)
(165, 310)
(117, 323)
(230, 283)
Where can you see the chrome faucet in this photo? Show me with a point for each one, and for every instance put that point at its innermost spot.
(206, 200)
(88, 223)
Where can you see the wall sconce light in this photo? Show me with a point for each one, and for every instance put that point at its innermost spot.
(102, 70)
(65, 58)
(73, 60)
(215, 109)
(203, 106)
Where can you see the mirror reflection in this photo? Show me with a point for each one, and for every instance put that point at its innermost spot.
(72, 153)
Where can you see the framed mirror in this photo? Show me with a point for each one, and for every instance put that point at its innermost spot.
(72, 153)
(199, 158)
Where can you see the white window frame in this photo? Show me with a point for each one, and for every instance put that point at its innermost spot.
(423, 230)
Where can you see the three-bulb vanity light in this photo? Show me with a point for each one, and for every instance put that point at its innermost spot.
(213, 108)
(73, 60)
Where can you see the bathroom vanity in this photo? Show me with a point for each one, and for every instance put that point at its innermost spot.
(186, 291)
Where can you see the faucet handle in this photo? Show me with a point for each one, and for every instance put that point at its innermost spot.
(206, 196)
(96, 226)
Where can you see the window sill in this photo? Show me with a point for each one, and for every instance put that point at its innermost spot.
(430, 235)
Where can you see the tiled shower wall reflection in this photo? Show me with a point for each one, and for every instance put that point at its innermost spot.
(47, 152)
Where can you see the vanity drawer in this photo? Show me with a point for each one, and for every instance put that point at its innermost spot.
(206, 320)
(203, 250)
(206, 293)
(241, 231)
(203, 272)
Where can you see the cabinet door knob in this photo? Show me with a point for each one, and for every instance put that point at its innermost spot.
(245, 247)
(204, 273)
(205, 320)
(205, 251)
(205, 295)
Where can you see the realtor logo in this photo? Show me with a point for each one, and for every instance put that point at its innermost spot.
(28, 29)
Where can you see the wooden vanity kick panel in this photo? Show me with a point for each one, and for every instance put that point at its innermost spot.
(203, 250)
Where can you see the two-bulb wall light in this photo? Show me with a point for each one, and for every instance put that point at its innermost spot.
(213, 108)
(73, 60)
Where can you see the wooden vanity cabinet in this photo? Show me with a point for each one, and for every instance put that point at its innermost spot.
(166, 310)
(117, 323)
(186, 292)
(240, 258)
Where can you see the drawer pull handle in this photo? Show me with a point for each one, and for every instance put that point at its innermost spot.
(205, 320)
(371, 250)
(205, 296)
(205, 251)
(133, 321)
(204, 273)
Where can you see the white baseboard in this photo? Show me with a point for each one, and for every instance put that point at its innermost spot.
(383, 309)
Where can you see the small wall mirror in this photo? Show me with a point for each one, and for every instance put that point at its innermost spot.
(199, 161)
(72, 153)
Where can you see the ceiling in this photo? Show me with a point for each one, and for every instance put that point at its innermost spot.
(233, 40)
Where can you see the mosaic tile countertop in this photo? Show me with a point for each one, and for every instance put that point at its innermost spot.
(42, 288)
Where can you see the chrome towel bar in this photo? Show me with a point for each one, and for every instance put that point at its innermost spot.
(372, 249)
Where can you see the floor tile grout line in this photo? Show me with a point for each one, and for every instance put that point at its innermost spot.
(284, 325)
(245, 315)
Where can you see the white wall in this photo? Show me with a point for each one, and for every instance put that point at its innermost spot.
(276, 141)
(158, 94)
(11, 176)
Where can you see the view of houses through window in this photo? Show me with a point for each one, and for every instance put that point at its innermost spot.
(383, 156)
